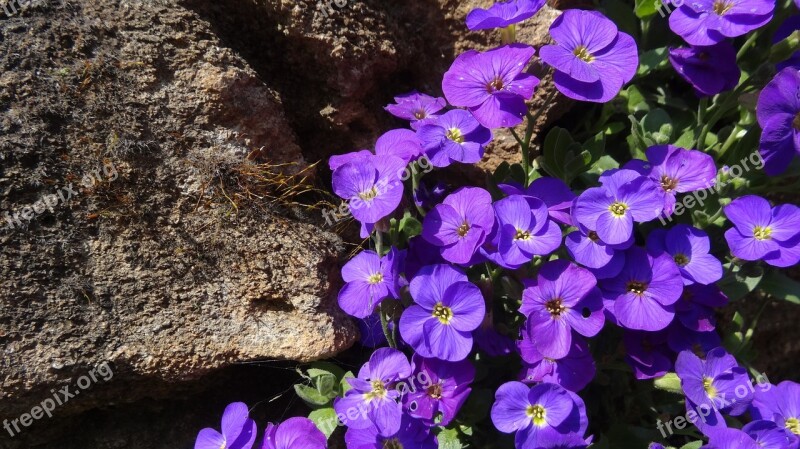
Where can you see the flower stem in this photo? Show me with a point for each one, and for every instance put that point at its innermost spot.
(385, 326)
(525, 142)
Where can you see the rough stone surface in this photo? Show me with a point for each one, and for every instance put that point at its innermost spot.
(179, 124)
(149, 265)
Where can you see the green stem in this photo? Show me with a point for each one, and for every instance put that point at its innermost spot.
(701, 110)
(415, 178)
(385, 326)
(747, 44)
(378, 242)
(525, 143)
(728, 143)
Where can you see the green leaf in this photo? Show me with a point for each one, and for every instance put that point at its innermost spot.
(449, 439)
(692, 445)
(410, 226)
(669, 382)
(311, 396)
(325, 419)
(319, 368)
(781, 286)
(344, 384)
(659, 125)
(636, 101)
(738, 284)
(655, 59)
(645, 8)
(557, 144)
(687, 139)
(326, 385)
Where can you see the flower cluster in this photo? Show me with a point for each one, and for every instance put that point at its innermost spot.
(556, 266)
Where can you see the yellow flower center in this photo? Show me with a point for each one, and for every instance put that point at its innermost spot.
(668, 184)
(793, 424)
(392, 443)
(522, 235)
(536, 413)
(593, 236)
(455, 135)
(555, 307)
(369, 194)
(796, 122)
(463, 229)
(583, 53)
(681, 259)
(618, 209)
(762, 233)
(443, 313)
(434, 391)
(378, 391)
(494, 85)
(419, 114)
(722, 6)
(376, 278)
(708, 385)
(637, 287)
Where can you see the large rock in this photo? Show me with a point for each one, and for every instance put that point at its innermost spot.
(186, 130)
(165, 261)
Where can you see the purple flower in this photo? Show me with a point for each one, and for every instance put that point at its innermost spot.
(369, 280)
(780, 404)
(592, 58)
(460, 224)
(778, 113)
(708, 22)
(625, 197)
(540, 415)
(680, 338)
(238, 430)
(585, 246)
(489, 340)
(372, 400)
(524, 229)
(372, 332)
(688, 247)
(647, 353)
(455, 137)
(419, 109)
(769, 435)
(676, 170)
(565, 298)
(715, 384)
(445, 392)
(554, 192)
(572, 372)
(643, 295)
(503, 14)
(730, 439)
(761, 232)
(710, 70)
(491, 84)
(412, 434)
(448, 308)
(371, 185)
(338, 160)
(402, 143)
(695, 310)
(421, 253)
(294, 433)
